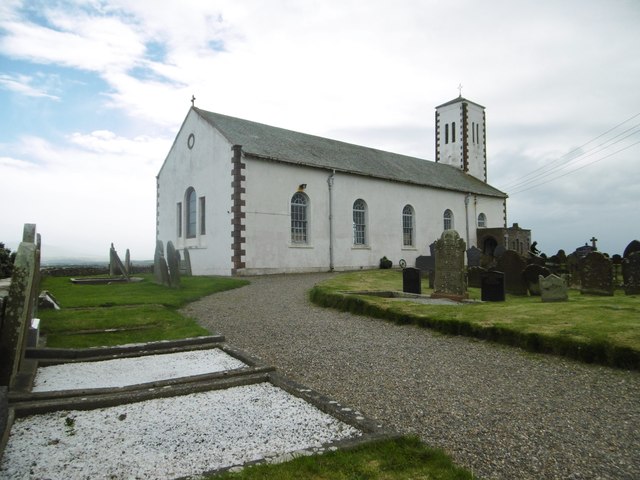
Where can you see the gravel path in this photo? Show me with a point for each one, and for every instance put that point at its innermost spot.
(501, 412)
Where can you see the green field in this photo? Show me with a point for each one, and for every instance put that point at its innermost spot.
(121, 313)
(596, 329)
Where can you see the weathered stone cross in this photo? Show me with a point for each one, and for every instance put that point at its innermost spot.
(593, 241)
(193, 100)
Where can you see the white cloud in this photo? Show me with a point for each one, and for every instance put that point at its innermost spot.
(23, 84)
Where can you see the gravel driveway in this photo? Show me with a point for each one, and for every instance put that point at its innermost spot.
(499, 411)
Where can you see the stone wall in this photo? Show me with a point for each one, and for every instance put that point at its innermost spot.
(89, 271)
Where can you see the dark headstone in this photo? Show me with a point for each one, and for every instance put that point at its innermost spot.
(531, 274)
(512, 265)
(582, 252)
(492, 286)
(450, 281)
(634, 246)
(411, 281)
(432, 249)
(160, 269)
(474, 275)
(426, 263)
(187, 263)
(474, 254)
(596, 275)
(553, 289)
(631, 274)
(173, 262)
(499, 251)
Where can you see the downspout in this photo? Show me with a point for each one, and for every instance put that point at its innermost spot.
(330, 183)
(466, 215)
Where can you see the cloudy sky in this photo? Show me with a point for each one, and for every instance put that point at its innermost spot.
(92, 93)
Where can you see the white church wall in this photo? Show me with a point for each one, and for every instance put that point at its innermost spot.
(206, 167)
(270, 186)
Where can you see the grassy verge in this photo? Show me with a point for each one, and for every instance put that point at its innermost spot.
(397, 459)
(592, 329)
(106, 315)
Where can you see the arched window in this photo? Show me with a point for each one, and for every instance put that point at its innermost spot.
(190, 200)
(482, 220)
(448, 219)
(359, 222)
(453, 132)
(299, 218)
(407, 226)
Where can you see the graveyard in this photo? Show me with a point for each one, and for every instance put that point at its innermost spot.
(115, 363)
(594, 329)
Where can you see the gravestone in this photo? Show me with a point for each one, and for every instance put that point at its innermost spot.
(19, 306)
(474, 275)
(634, 246)
(596, 275)
(450, 281)
(474, 254)
(127, 262)
(187, 263)
(553, 289)
(512, 265)
(531, 273)
(411, 281)
(492, 286)
(499, 251)
(160, 269)
(432, 249)
(426, 264)
(631, 274)
(173, 262)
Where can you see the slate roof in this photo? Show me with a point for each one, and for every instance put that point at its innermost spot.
(278, 144)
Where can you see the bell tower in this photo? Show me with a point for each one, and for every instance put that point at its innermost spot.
(461, 136)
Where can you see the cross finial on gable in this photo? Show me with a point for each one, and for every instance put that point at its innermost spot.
(460, 90)
(193, 100)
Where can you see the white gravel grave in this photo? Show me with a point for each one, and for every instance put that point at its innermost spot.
(132, 371)
(170, 437)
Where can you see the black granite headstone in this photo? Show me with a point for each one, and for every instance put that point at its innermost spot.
(411, 281)
(492, 286)
(474, 254)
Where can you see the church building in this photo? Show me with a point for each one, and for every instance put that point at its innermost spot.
(244, 198)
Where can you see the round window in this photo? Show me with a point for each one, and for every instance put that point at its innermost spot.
(191, 140)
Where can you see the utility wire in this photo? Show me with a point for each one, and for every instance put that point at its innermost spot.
(588, 153)
(567, 156)
(575, 169)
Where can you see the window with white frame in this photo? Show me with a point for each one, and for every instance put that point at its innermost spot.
(359, 222)
(407, 226)
(482, 220)
(299, 218)
(448, 219)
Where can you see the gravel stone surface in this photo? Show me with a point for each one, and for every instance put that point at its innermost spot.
(499, 411)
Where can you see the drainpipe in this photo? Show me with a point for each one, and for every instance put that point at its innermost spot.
(330, 183)
(466, 215)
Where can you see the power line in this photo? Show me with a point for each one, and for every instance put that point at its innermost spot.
(575, 169)
(567, 158)
(588, 153)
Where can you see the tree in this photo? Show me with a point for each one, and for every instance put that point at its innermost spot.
(6, 261)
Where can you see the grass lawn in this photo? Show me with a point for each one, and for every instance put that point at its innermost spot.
(121, 313)
(398, 459)
(590, 328)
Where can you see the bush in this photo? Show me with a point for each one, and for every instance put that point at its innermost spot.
(6, 261)
(385, 263)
